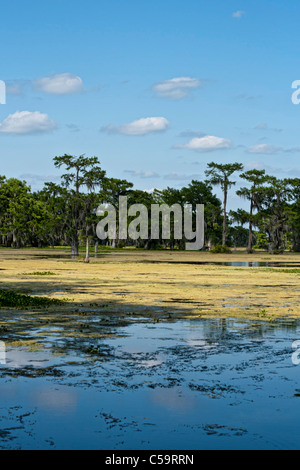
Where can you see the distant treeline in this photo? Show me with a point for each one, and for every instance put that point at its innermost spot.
(64, 214)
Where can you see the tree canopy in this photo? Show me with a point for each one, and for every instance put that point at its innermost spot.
(65, 214)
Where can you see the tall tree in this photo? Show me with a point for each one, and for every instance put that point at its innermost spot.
(17, 207)
(253, 194)
(82, 172)
(111, 191)
(219, 174)
(201, 192)
(274, 213)
(294, 214)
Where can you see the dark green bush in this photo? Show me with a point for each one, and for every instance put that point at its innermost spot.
(220, 249)
(12, 299)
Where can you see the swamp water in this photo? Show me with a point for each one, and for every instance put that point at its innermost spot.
(182, 384)
(104, 257)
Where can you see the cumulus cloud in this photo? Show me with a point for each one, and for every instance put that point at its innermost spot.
(26, 122)
(176, 88)
(60, 84)
(270, 149)
(209, 143)
(140, 127)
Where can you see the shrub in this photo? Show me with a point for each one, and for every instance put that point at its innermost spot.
(220, 249)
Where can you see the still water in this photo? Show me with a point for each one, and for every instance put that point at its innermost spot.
(185, 384)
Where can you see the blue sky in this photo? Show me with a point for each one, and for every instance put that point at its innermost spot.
(155, 89)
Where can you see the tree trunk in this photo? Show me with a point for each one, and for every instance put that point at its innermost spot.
(225, 218)
(250, 250)
(87, 254)
(16, 243)
(296, 242)
(75, 248)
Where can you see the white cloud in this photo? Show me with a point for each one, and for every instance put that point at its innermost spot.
(140, 127)
(151, 190)
(238, 14)
(263, 149)
(281, 172)
(176, 88)
(37, 181)
(26, 122)
(270, 149)
(255, 164)
(143, 174)
(208, 143)
(61, 84)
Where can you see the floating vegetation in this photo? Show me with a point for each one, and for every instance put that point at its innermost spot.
(12, 299)
(287, 271)
(262, 313)
(43, 273)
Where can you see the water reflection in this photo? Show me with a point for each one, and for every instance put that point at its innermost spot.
(58, 401)
(174, 400)
(190, 384)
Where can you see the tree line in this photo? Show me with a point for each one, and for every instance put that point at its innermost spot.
(65, 214)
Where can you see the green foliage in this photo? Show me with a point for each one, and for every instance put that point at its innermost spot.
(220, 174)
(14, 300)
(42, 273)
(262, 313)
(237, 236)
(220, 249)
(65, 214)
(261, 241)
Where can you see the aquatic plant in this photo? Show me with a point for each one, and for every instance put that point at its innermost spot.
(42, 273)
(12, 299)
(262, 313)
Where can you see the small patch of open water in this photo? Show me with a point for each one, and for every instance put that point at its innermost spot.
(186, 384)
(247, 264)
